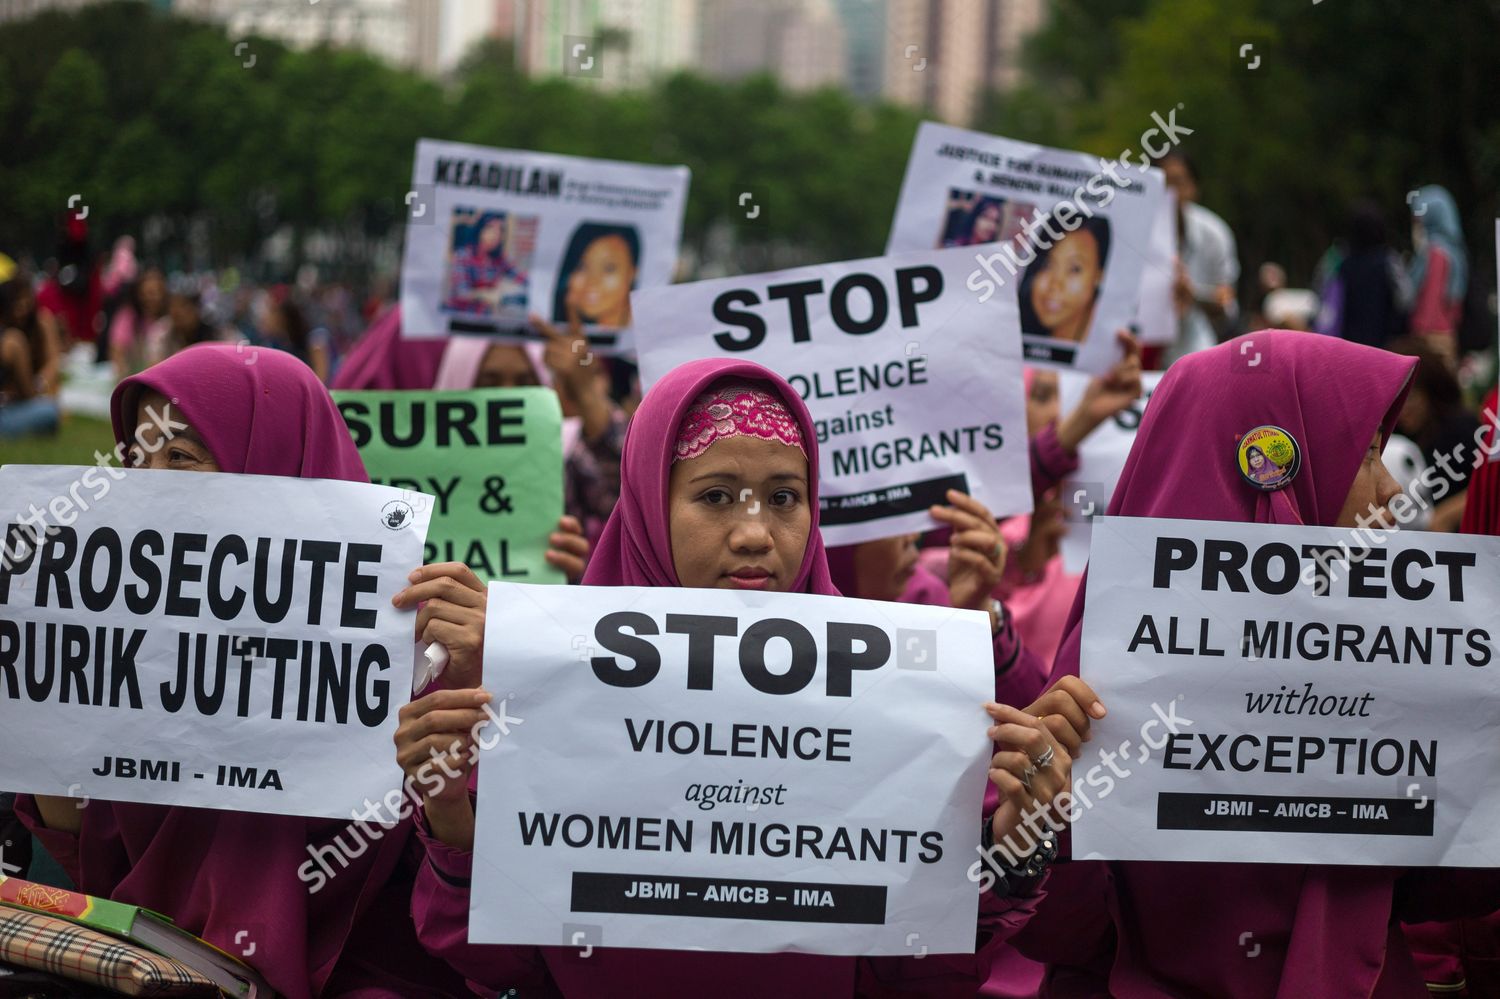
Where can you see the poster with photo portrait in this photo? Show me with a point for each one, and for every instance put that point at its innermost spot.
(1067, 235)
(495, 236)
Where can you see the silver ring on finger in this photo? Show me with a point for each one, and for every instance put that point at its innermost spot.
(1026, 776)
(1044, 761)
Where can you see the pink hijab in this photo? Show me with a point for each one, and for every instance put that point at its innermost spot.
(231, 877)
(636, 546)
(258, 410)
(1179, 927)
(383, 359)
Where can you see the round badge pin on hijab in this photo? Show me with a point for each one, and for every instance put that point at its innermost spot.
(1268, 458)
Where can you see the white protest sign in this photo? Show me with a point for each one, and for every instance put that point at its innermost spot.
(914, 384)
(213, 640)
(1101, 458)
(1156, 315)
(1064, 234)
(1328, 709)
(494, 235)
(705, 769)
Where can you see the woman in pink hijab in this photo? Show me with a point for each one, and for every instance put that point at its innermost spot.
(707, 437)
(232, 877)
(1138, 929)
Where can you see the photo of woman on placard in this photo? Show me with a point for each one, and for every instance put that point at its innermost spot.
(597, 275)
(974, 219)
(1061, 286)
(490, 257)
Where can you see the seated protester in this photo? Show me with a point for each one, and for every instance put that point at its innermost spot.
(705, 433)
(219, 873)
(889, 569)
(383, 359)
(186, 325)
(593, 423)
(1435, 418)
(30, 363)
(1462, 958)
(280, 323)
(1034, 587)
(1138, 929)
(139, 330)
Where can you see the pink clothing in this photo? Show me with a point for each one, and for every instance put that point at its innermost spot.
(1138, 929)
(1432, 310)
(1020, 674)
(1038, 604)
(383, 359)
(222, 874)
(636, 551)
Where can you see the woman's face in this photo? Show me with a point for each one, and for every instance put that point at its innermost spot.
(183, 451)
(883, 568)
(1373, 488)
(1063, 293)
(185, 313)
(153, 293)
(987, 224)
(1256, 459)
(739, 515)
(600, 285)
(1042, 403)
(505, 366)
(491, 235)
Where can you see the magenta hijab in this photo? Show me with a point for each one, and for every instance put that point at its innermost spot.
(636, 546)
(1178, 927)
(232, 877)
(257, 410)
(384, 359)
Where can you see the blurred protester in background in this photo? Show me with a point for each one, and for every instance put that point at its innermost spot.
(186, 323)
(282, 325)
(1207, 263)
(138, 331)
(1435, 419)
(1270, 277)
(1361, 283)
(30, 361)
(72, 291)
(1439, 272)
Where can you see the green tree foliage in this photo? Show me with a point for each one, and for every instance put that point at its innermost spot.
(1350, 99)
(153, 116)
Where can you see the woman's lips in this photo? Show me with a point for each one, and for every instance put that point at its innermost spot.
(750, 579)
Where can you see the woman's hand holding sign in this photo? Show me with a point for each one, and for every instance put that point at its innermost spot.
(452, 603)
(1067, 707)
(976, 553)
(435, 745)
(1036, 748)
(1105, 396)
(1030, 770)
(568, 548)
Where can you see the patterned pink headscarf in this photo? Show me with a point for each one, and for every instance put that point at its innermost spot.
(735, 409)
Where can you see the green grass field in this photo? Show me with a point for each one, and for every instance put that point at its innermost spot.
(74, 444)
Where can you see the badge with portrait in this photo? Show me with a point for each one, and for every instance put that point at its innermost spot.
(1067, 234)
(494, 236)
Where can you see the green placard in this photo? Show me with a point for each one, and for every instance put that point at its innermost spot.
(491, 459)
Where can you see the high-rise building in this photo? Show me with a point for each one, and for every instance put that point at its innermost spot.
(384, 28)
(865, 45)
(630, 42)
(943, 55)
(800, 42)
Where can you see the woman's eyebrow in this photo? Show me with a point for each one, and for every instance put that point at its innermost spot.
(714, 475)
